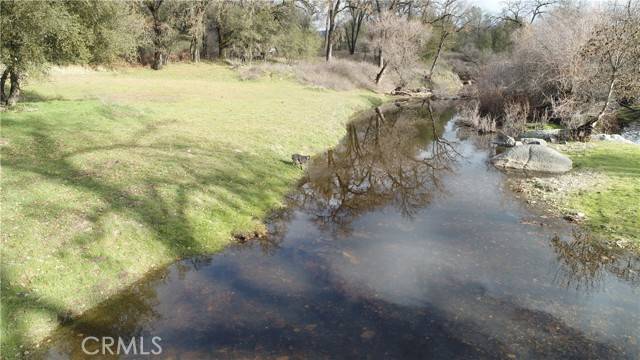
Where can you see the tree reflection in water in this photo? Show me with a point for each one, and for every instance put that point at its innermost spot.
(583, 262)
(393, 156)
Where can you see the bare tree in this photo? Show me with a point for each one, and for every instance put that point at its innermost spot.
(614, 54)
(359, 10)
(334, 7)
(449, 17)
(521, 12)
(403, 41)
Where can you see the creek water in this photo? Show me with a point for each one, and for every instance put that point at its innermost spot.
(401, 242)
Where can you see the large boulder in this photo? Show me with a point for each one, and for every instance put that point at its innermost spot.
(533, 158)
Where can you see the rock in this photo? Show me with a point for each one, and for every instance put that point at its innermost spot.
(612, 137)
(533, 141)
(505, 140)
(542, 134)
(533, 158)
(575, 217)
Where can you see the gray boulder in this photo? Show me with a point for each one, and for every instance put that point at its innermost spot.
(504, 140)
(533, 141)
(533, 158)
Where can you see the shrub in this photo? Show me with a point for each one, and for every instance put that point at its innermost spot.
(514, 120)
(470, 116)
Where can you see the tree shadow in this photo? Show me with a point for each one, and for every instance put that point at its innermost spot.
(30, 96)
(160, 203)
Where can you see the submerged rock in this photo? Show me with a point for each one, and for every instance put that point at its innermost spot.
(533, 158)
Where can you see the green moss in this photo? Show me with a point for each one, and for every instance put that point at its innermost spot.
(612, 210)
(107, 175)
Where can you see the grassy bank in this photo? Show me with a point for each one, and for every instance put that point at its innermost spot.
(612, 208)
(604, 186)
(106, 175)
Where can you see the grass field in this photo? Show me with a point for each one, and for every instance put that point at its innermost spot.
(612, 210)
(106, 175)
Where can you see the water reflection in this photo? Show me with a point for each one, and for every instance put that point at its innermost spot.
(393, 157)
(584, 263)
(403, 243)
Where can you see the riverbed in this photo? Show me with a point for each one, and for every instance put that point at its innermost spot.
(402, 241)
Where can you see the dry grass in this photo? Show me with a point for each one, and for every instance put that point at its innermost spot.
(339, 74)
(514, 121)
(470, 116)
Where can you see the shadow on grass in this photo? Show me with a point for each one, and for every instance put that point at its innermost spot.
(158, 202)
(29, 96)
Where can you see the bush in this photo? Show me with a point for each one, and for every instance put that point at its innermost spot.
(514, 121)
(470, 116)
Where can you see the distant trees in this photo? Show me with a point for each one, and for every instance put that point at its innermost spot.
(191, 15)
(37, 34)
(258, 29)
(358, 10)
(334, 7)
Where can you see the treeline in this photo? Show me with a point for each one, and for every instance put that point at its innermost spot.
(569, 63)
(553, 59)
(37, 34)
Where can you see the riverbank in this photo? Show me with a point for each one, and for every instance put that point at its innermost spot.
(602, 192)
(108, 175)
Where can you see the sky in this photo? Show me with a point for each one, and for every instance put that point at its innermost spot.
(488, 5)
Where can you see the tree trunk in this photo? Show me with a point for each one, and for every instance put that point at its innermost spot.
(607, 104)
(220, 44)
(435, 59)
(157, 60)
(329, 36)
(154, 9)
(583, 132)
(329, 54)
(3, 81)
(331, 19)
(14, 93)
(381, 73)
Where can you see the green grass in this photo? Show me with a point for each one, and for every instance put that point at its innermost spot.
(614, 209)
(107, 175)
